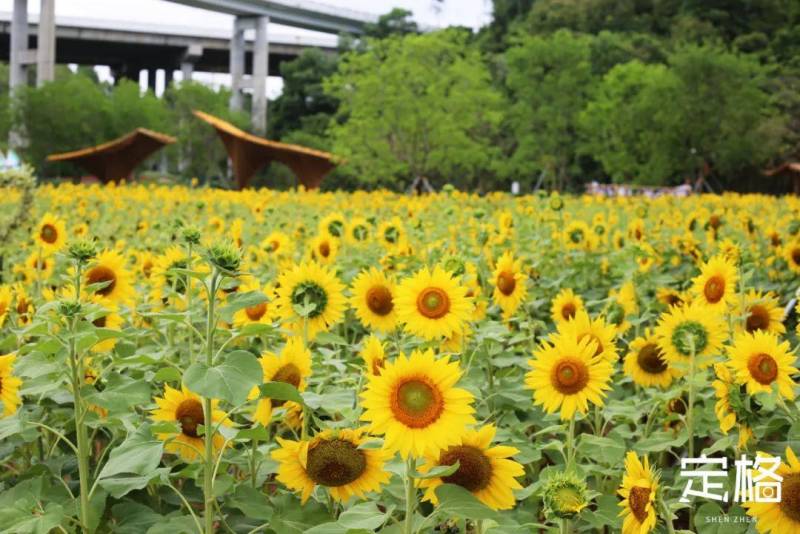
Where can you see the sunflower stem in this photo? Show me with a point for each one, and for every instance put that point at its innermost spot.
(411, 496)
(667, 517)
(189, 304)
(571, 444)
(208, 434)
(690, 411)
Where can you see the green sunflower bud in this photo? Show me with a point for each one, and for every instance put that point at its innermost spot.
(564, 495)
(82, 250)
(226, 257)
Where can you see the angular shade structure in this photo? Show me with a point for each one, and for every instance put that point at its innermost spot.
(250, 153)
(115, 160)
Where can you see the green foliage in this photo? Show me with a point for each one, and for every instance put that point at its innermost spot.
(420, 105)
(549, 79)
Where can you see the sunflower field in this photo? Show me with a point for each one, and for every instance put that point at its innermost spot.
(193, 360)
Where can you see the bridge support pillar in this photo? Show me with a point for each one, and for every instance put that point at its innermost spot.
(237, 58)
(19, 45)
(189, 59)
(260, 73)
(46, 43)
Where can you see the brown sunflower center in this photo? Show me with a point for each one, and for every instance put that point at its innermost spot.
(377, 365)
(569, 376)
(190, 415)
(433, 303)
(594, 338)
(335, 462)
(474, 469)
(288, 374)
(673, 299)
(379, 300)
(757, 319)
(568, 311)
(763, 368)
(22, 306)
(100, 322)
(650, 359)
(147, 268)
(790, 496)
(714, 289)
(255, 313)
(417, 403)
(638, 499)
(796, 256)
(324, 249)
(99, 275)
(506, 283)
(49, 234)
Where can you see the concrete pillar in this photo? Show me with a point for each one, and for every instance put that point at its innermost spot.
(19, 44)
(260, 73)
(187, 70)
(237, 58)
(46, 43)
(190, 57)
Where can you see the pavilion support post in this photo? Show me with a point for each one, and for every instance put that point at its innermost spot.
(46, 43)
(260, 73)
(237, 59)
(19, 44)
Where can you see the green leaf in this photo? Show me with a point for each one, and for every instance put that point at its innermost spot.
(281, 391)
(438, 471)
(240, 301)
(605, 450)
(251, 502)
(365, 515)
(457, 501)
(133, 464)
(230, 380)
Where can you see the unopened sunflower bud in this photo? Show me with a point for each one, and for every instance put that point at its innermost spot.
(226, 257)
(454, 265)
(82, 250)
(69, 308)
(564, 495)
(556, 202)
(191, 234)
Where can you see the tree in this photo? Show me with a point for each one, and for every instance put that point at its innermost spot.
(549, 80)
(420, 105)
(398, 21)
(128, 108)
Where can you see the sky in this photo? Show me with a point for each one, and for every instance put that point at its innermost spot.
(430, 13)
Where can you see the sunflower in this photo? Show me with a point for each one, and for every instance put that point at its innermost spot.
(391, 232)
(23, 305)
(732, 406)
(292, 366)
(145, 262)
(509, 284)
(621, 306)
(374, 355)
(760, 311)
(432, 304)
(565, 305)
(50, 234)
(485, 471)
(6, 296)
(670, 297)
(277, 244)
(415, 404)
(333, 459)
(358, 231)
(692, 327)
(310, 293)
(646, 364)
(567, 375)
(715, 286)
(582, 326)
(108, 319)
(170, 285)
(638, 490)
(186, 409)
(577, 235)
(333, 225)
(455, 343)
(760, 361)
(791, 253)
(36, 267)
(780, 517)
(324, 249)
(9, 385)
(373, 300)
(260, 313)
(108, 268)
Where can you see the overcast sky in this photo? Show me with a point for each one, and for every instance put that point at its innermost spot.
(473, 13)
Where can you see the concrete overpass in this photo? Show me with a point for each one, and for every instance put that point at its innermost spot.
(249, 15)
(129, 47)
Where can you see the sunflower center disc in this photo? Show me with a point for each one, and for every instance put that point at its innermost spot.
(313, 294)
(254, 313)
(796, 256)
(570, 376)
(474, 470)
(274, 245)
(650, 360)
(763, 368)
(592, 337)
(689, 333)
(714, 289)
(790, 496)
(324, 250)
(568, 311)
(757, 320)
(506, 283)
(335, 463)
(288, 374)
(190, 415)
(638, 499)
(100, 322)
(379, 300)
(49, 234)
(100, 274)
(433, 303)
(417, 403)
(335, 228)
